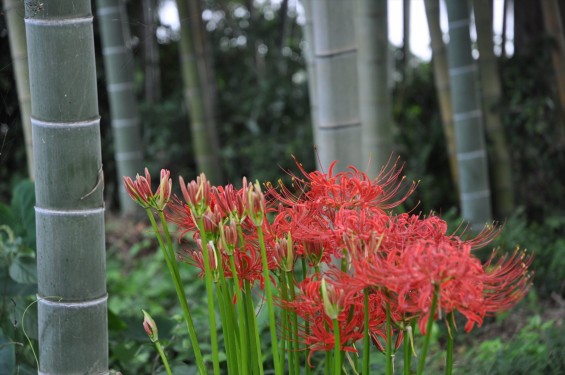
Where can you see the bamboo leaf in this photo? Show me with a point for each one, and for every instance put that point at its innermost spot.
(23, 203)
(7, 355)
(23, 270)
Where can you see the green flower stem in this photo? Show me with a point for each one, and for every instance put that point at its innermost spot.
(226, 330)
(449, 349)
(427, 337)
(229, 325)
(269, 294)
(407, 353)
(210, 297)
(163, 357)
(366, 338)
(337, 348)
(244, 343)
(306, 324)
(388, 345)
(294, 318)
(173, 269)
(252, 326)
(285, 322)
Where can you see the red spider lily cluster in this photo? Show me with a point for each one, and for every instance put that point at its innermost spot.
(353, 254)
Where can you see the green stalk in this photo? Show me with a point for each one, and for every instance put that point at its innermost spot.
(163, 357)
(388, 347)
(407, 354)
(294, 317)
(366, 338)
(285, 323)
(210, 297)
(269, 293)
(243, 333)
(306, 324)
(427, 337)
(449, 349)
(229, 326)
(252, 325)
(173, 269)
(337, 348)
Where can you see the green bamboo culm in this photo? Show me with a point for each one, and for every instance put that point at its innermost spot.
(14, 15)
(204, 139)
(375, 108)
(119, 68)
(338, 127)
(491, 95)
(474, 192)
(69, 184)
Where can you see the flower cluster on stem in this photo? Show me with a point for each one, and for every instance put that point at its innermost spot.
(335, 266)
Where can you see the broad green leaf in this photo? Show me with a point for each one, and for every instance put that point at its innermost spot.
(6, 216)
(24, 270)
(7, 355)
(23, 207)
(12, 288)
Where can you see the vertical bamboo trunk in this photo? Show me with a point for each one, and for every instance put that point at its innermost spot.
(151, 53)
(14, 11)
(311, 67)
(335, 52)
(206, 73)
(72, 306)
(204, 141)
(119, 67)
(474, 194)
(406, 37)
(441, 77)
(491, 94)
(554, 27)
(374, 97)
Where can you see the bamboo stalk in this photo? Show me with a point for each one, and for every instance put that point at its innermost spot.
(73, 328)
(118, 65)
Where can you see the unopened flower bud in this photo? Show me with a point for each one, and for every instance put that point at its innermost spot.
(150, 326)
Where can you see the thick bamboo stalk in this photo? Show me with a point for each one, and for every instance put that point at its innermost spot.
(311, 67)
(474, 194)
(204, 142)
(441, 77)
(372, 69)
(119, 67)
(72, 306)
(491, 94)
(335, 52)
(204, 61)
(554, 27)
(14, 11)
(152, 69)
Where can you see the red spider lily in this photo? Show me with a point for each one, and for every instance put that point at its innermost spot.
(257, 204)
(309, 305)
(349, 189)
(228, 236)
(507, 281)
(196, 194)
(140, 190)
(230, 201)
(196, 258)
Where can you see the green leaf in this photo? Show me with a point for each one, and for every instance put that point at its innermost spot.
(24, 270)
(12, 288)
(7, 355)
(23, 206)
(6, 216)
